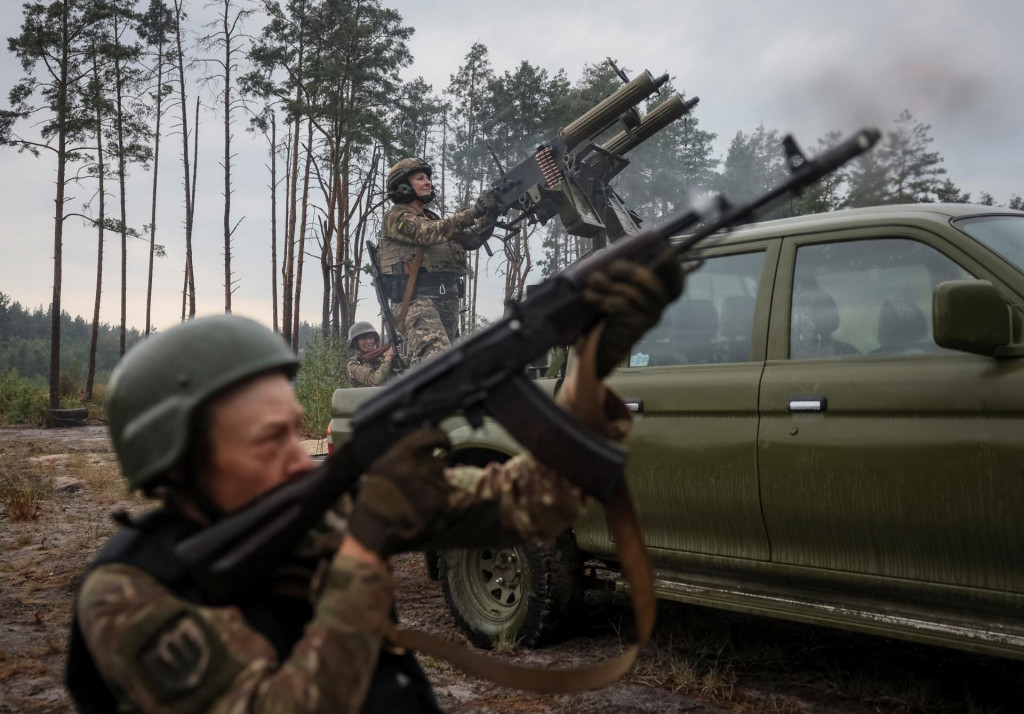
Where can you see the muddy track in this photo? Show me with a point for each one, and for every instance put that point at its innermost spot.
(699, 661)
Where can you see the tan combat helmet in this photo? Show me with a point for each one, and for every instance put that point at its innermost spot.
(399, 189)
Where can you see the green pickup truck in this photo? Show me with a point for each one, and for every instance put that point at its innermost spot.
(829, 428)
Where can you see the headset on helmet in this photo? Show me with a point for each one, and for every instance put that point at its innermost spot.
(358, 330)
(159, 387)
(399, 188)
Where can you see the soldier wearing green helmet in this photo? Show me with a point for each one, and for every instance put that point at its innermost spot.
(204, 416)
(369, 365)
(424, 256)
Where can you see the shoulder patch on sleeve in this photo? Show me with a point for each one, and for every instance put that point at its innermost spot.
(185, 664)
(176, 660)
(406, 227)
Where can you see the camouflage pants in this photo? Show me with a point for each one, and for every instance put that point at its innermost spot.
(431, 325)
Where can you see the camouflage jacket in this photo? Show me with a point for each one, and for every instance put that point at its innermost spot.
(444, 241)
(365, 374)
(158, 652)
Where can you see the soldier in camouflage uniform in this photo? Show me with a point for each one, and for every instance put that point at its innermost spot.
(410, 231)
(364, 371)
(204, 416)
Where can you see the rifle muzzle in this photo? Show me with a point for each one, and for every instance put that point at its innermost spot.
(655, 120)
(609, 109)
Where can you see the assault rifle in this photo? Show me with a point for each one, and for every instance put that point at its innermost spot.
(483, 374)
(569, 174)
(390, 328)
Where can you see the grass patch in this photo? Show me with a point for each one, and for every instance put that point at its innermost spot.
(22, 400)
(506, 643)
(321, 372)
(21, 496)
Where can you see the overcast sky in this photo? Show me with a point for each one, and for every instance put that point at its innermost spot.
(804, 67)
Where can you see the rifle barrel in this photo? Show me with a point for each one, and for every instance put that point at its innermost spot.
(605, 112)
(654, 121)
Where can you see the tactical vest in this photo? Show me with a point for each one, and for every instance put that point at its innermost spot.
(448, 257)
(398, 684)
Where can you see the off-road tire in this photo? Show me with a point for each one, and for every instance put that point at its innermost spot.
(542, 608)
(68, 417)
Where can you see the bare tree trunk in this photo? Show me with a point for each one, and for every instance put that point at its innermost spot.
(101, 170)
(273, 216)
(228, 35)
(58, 218)
(192, 216)
(286, 319)
(119, 94)
(302, 237)
(289, 276)
(190, 290)
(156, 172)
(444, 159)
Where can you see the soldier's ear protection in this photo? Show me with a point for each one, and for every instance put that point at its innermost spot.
(403, 192)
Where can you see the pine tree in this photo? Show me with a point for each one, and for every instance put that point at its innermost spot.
(753, 164)
(130, 131)
(869, 182)
(55, 55)
(947, 192)
(914, 171)
(155, 28)
(230, 44)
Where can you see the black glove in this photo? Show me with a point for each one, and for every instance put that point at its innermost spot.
(486, 205)
(403, 493)
(631, 298)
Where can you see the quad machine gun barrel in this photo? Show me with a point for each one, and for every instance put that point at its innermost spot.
(568, 176)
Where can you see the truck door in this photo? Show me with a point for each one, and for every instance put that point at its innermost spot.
(692, 383)
(880, 452)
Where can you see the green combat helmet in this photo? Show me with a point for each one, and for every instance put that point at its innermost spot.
(358, 330)
(399, 189)
(157, 388)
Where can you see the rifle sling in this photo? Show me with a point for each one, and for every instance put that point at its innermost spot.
(410, 285)
(622, 522)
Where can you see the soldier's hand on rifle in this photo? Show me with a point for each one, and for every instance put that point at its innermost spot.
(631, 298)
(389, 354)
(402, 494)
(486, 205)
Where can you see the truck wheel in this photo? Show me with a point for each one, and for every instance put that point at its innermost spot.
(524, 594)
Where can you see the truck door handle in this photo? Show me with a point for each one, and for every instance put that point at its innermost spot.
(808, 404)
(635, 405)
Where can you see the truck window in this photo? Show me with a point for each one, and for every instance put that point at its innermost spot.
(866, 298)
(1003, 234)
(714, 319)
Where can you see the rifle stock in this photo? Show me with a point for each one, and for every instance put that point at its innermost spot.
(390, 328)
(483, 374)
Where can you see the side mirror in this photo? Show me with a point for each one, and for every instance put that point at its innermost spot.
(970, 316)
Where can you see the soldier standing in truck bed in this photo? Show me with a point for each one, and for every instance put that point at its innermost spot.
(424, 257)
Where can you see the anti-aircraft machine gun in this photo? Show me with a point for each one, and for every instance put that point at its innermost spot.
(569, 175)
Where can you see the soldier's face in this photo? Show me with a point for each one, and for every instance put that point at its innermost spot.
(421, 184)
(255, 437)
(367, 343)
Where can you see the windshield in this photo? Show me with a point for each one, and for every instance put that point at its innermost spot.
(1002, 234)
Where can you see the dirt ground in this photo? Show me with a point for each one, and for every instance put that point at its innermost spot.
(58, 488)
